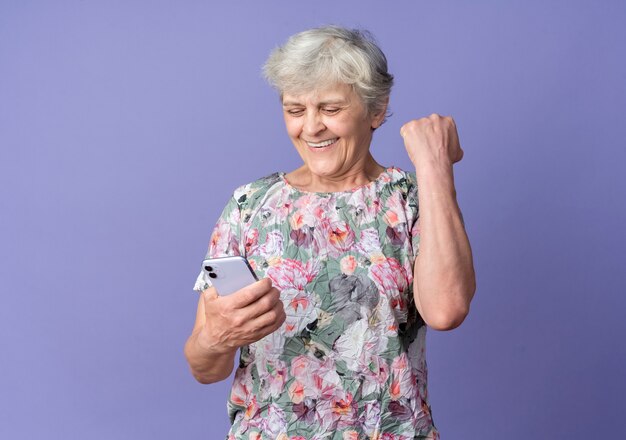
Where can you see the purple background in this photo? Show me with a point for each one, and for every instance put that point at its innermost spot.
(125, 126)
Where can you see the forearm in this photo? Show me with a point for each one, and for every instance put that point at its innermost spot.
(444, 274)
(207, 364)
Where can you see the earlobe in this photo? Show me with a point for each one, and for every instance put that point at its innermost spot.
(378, 120)
(380, 116)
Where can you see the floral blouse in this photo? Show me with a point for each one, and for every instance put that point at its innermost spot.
(349, 361)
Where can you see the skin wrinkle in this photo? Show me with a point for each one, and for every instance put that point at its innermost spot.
(348, 163)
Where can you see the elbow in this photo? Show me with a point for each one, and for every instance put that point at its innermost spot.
(201, 379)
(451, 313)
(204, 371)
(206, 380)
(447, 318)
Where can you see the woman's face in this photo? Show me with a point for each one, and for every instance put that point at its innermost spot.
(331, 129)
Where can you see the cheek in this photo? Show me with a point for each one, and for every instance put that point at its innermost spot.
(347, 129)
(293, 128)
(339, 128)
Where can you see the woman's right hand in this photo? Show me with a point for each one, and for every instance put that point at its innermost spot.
(241, 318)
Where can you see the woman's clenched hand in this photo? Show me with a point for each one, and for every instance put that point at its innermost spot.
(242, 318)
(432, 142)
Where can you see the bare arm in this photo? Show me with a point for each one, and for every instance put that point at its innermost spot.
(223, 324)
(444, 280)
(207, 362)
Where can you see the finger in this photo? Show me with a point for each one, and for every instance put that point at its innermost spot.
(260, 307)
(249, 294)
(263, 304)
(263, 332)
(209, 293)
(208, 296)
(411, 125)
(273, 318)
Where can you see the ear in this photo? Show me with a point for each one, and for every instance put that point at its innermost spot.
(379, 116)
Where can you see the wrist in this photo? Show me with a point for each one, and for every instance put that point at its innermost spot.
(435, 179)
(209, 346)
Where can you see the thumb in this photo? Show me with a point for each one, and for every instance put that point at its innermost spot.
(210, 293)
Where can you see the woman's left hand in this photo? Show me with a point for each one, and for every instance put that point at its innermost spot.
(432, 141)
(443, 276)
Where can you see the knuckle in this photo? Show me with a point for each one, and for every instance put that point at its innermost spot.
(236, 321)
(410, 127)
(273, 315)
(281, 314)
(267, 302)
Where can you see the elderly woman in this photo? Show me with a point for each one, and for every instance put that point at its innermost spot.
(353, 261)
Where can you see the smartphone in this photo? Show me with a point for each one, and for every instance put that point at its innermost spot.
(228, 274)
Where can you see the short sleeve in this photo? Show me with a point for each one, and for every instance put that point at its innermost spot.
(415, 237)
(225, 239)
(412, 211)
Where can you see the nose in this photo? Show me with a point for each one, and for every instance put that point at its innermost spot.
(313, 124)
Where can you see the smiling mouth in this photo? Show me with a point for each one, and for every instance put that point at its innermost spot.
(322, 144)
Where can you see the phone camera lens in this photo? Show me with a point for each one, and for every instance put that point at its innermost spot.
(212, 275)
(208, 268)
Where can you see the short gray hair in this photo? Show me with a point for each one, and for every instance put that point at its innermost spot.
(328, 55)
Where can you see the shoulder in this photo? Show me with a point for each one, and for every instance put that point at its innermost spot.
(400, 175)
(401, 181)
(399, 193)
(251, 194)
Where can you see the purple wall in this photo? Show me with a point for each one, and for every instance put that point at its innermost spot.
(125, 125)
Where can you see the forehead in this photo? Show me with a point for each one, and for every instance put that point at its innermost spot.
(338, 93)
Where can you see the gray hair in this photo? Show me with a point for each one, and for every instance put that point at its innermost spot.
(328, 55)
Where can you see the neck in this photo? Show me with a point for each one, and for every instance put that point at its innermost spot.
(361, 173)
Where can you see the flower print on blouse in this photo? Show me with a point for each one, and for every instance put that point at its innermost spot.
(349, 361)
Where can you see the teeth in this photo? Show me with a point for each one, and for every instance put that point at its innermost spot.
(321, 144)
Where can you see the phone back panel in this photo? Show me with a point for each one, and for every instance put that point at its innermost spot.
(228, 274)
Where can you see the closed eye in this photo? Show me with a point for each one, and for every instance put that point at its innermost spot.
(295, 111)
